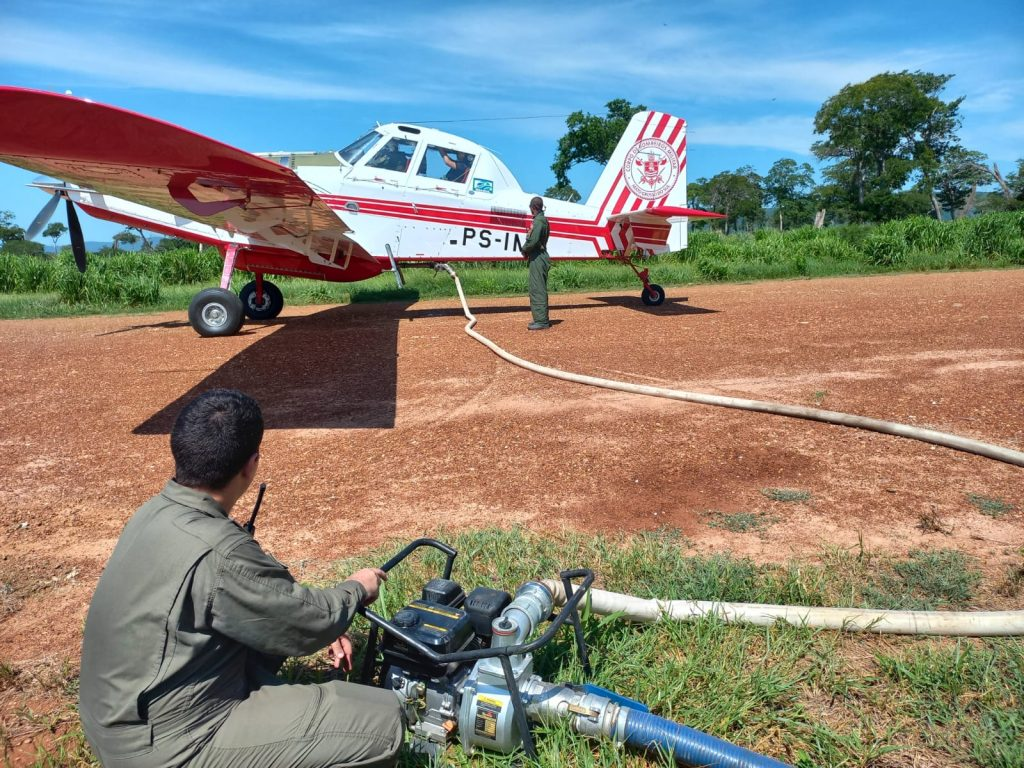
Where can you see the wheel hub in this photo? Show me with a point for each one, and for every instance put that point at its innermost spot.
(215, 315)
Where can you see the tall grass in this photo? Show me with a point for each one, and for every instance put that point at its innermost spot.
(131, 280)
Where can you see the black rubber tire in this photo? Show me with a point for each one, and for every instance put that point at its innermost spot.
(273, 301)
(653, 295)
(216, 312)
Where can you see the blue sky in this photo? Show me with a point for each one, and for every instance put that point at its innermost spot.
(748, 75)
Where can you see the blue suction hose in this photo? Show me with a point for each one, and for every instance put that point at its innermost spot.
(688, 746)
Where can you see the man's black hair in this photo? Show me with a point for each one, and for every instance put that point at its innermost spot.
(214, 436)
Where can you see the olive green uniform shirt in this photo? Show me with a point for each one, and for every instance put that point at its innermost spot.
(189, 616)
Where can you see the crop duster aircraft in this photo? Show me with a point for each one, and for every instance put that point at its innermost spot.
(398, 195)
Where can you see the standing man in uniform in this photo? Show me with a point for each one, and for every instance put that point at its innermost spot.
(191, 620)
(535, 251)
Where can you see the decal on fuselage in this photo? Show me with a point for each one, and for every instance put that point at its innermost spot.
(489, 238)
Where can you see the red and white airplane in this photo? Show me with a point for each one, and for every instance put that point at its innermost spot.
(398, 195)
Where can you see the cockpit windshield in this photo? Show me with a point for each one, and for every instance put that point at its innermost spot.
(359, 147)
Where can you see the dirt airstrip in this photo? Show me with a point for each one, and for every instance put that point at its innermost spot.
(387, 421)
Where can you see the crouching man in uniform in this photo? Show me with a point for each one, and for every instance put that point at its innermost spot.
(192, 619)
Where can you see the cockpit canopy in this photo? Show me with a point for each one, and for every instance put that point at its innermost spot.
(413, 156)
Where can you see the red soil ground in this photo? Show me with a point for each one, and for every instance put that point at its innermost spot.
(387, 421)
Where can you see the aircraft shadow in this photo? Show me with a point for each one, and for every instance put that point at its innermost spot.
(670, 307)
(338, 368)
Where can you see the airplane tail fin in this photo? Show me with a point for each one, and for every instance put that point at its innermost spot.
(647, 169)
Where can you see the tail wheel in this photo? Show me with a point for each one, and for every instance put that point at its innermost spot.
(269, 308)
(216, 312)
(653, 295)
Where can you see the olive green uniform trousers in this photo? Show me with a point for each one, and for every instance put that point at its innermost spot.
(189, 623)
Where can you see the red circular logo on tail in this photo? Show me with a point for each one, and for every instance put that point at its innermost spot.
(651, 168)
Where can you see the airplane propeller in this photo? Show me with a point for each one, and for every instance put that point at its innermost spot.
(77, 239)
(43, 217)
(74, 226)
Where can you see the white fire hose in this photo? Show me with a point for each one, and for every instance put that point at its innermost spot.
(955, 442)
(946, 623)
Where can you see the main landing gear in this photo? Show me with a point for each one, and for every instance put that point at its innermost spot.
(653, 295)
(219, 312)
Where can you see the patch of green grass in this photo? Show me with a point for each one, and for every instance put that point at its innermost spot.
(988, 506)
(927, 581)
(787, 495)
(740, 522)
(966, 696)
(806, 697)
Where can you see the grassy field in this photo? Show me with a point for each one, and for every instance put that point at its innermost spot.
(804, 696)
(167, 280)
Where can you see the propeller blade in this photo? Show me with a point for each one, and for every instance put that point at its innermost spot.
(43, 217)
(77, 240)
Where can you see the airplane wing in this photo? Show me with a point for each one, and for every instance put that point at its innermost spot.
(171, 169)
(648, 228)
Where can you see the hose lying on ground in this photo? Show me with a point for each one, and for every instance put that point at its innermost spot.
(688, 746)
(946, 623)
(944, 439)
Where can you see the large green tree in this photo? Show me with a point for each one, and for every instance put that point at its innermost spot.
(788, 188)
(589, 137)
(883, 134)
(738, 194)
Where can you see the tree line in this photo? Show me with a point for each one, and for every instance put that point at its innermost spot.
(889, 148)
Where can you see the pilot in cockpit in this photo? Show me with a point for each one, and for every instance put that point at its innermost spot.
(390, 158)
(458, 164)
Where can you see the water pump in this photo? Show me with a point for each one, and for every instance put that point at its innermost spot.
(462, 668)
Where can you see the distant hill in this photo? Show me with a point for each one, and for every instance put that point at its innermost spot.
(98, 245)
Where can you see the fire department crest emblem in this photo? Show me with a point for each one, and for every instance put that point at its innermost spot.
(651, 169)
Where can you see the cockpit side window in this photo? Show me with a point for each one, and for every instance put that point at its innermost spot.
(396, 155)
(359, 147)
(446, 164)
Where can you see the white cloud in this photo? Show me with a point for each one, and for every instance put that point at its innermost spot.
(129, 62)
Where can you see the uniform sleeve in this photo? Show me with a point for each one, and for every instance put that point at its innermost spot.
(257, 602)
(532, 244)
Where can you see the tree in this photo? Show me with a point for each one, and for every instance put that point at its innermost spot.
(957, 180)
(127, 237)
(54, 231)
(146, 245)
(788, 187)
(9, 231)
(882, 132)
(589, 138)
(563, 192)
(738, 195)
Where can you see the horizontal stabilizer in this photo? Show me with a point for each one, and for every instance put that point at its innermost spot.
(648, 229)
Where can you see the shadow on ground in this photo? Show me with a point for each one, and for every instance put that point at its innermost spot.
(338, 369)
